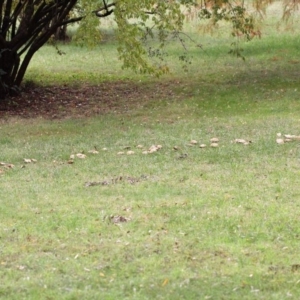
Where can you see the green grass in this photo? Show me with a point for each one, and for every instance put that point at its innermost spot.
(219, 224)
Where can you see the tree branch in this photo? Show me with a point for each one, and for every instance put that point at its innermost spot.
(106, 10)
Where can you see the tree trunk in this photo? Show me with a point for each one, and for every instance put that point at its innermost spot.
(25, 26)
(61, 34)
(9, 62)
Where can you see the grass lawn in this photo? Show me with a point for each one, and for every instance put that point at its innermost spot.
(185, 223)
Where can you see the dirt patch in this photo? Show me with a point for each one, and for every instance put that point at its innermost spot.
(69, 102)
(119, 179)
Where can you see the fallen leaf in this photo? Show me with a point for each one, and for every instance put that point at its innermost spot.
(130, 152)
(152, 151)
(166, 281)
(30, 160)
(120, 153)
(214, 145)
(291, 136)
(182, 156)
(93, 151)
(27, 160)
(214, 140)
(295, 267)
(81, 155)
(94, 183)
(175, 148)
(193, 142)
(153, 148)
(140, 146)
(119, 219)
(6, 165)
(280, 141)
(242, 141)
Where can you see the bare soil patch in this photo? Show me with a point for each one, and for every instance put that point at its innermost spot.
(68, 101)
